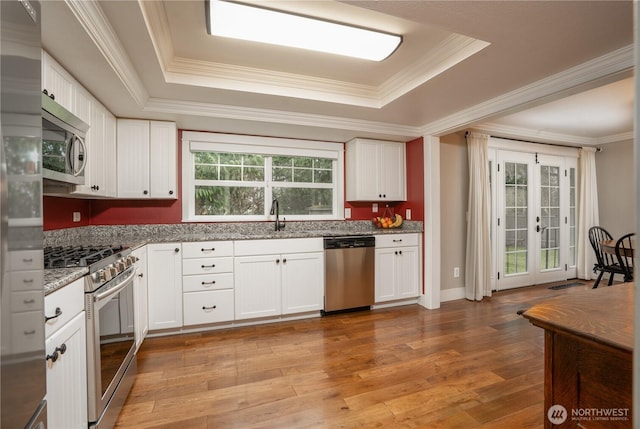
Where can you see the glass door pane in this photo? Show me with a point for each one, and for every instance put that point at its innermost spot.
(549, 217)
(516, 212)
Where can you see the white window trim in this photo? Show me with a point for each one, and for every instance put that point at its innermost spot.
(234, 143)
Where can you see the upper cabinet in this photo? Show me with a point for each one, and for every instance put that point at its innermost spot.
(375, 170)
(147, 159)
(58, 83)
(100, 170)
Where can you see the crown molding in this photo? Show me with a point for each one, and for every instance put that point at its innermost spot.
(90, 15)
(447, 54)
(608, 67)
(158, 105)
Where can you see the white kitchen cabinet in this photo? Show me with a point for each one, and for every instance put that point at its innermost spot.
(164, 276)
(58, 82)
(140, 296)
(66, 358)
(147, 159)
(397, 267)
(100, 171)
(207, 282)
(275, 277)
(375, 170)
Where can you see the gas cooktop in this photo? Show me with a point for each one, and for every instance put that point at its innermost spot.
(79, 256)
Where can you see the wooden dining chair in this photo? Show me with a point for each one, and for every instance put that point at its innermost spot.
(605, 262)
(624, 253)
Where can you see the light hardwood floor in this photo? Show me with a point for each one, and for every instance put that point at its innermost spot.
(465, 365)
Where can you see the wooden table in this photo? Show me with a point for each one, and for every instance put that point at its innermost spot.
(609, 246)
(588, 355)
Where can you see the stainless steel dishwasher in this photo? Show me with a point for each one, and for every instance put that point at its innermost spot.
(349, 264)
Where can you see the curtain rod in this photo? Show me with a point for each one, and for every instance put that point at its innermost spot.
(598, 149)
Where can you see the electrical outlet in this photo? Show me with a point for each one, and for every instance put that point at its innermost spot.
(456, 272)
(374, 208)
(347, 212)
(407, 214)
(76, 216)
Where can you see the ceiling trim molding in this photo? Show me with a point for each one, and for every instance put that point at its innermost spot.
(177, 70)
(616, 138)
(608, 67)
(90, 15)
(238, 78)
(158, 105)
(447, 54)
(510, 132)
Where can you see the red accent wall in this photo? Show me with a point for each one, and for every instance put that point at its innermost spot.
(58, 211)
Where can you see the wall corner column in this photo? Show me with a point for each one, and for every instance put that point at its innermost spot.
(431, 274)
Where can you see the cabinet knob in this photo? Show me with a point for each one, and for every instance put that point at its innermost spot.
(145, 192)
(177, 249)
(170, 192)
(95, 187)
(140, 275)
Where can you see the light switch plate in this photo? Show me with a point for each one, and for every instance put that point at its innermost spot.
(347, 212)
(76, 216)
(407, 214)
(374, 208)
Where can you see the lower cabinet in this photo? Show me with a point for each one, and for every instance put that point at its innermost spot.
(275, 277)
(164, 282)
(141, 296)
(66, 359)
(207, 282)
(397, 267)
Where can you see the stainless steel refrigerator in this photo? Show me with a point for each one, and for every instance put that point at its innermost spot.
(22, 357)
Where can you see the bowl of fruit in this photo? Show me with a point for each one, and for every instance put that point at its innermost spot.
(387, 221)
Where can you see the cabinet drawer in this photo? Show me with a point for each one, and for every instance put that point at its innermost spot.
(208, 307)
(277, 246)
(205, 249)
(26, 301)
(20, 260)
(26, 332)
(207, 282)
(70, 301)
(207, 266)
(397, 240)
(27, 280)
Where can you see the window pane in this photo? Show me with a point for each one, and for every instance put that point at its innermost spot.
(323, 176)
(322, 163)
(304, 201)
(230, 173)
(303, 175)
(303, 162)
(220, 200)
(206, 172)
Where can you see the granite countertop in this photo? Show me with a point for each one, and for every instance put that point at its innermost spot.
(56, 278)
(136, 236)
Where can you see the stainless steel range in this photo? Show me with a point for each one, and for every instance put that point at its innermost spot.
(109, 307)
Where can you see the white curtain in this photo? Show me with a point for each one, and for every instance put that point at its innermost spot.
(587, 211)
(478, 255)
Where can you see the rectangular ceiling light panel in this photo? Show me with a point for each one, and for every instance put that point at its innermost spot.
(240, 21)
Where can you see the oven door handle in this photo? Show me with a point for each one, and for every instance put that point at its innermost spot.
(114, 290)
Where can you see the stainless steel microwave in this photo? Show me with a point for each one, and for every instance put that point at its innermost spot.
(64, 153)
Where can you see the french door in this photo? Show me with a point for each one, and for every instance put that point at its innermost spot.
(534, 219)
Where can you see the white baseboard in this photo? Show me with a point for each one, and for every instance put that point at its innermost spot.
(452, 294)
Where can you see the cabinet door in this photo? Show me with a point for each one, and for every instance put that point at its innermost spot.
(67, 376)
(109, 155)
(164, 274)
(385, 283)
(257, 286)
(163, 159)
(391, 172)
(133, 158)
(57, 81)
(361, 170)
(408, 275)
(302, 282)
(140, 296)
(94, 169)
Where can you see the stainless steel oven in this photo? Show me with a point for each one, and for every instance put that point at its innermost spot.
(109, 308)
(111, 363)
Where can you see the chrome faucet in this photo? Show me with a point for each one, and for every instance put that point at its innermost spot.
(275, 209)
